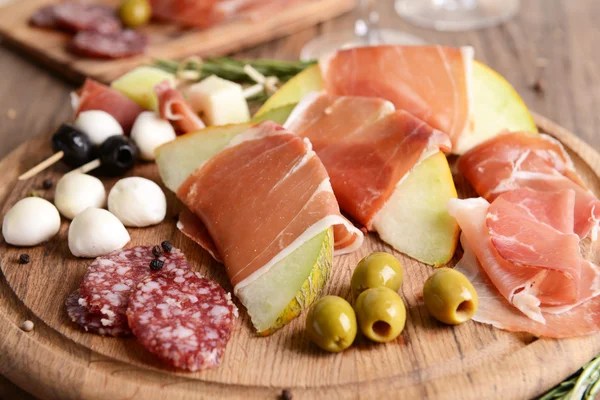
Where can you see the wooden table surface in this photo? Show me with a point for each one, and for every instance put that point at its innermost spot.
(549, 52)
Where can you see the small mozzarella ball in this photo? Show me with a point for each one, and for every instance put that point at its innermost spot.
(149, 131)
(96, 232)
(137, 202)
(30, 221)
(98, 125)
(75, 192)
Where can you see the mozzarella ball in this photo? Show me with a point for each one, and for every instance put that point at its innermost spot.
(30, 222)
(75, 192)
(98, 125)
(149, 131)
(96, 232)
(137, 202)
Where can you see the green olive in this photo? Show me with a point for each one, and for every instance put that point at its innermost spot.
(381, 314)
(375, 270)
(331, 324)
(450, 297)
(134, 13)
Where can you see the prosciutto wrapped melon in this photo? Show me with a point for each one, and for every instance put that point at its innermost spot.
(266, 209)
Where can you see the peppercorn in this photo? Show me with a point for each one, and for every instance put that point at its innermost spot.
(24, 259)
(286, 394)
(157, 251)
(47, 184)
(167, 246)
(156, 264)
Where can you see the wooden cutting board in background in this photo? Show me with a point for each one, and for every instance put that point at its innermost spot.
(166, 40)
(429, 360)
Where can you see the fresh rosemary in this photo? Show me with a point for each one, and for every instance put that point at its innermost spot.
(231, 68)
(583, 385)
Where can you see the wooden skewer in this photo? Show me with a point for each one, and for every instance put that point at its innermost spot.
(42, 166)
(85, 168)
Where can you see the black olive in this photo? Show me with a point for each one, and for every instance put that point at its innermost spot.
(74, 143)
(118, 154)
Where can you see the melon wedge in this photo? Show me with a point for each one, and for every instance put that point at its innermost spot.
(291, 285)
(138, 84)
(496, 106)
(415, 220)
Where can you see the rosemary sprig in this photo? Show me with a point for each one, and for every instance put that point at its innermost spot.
(233, 69)
(583, 385)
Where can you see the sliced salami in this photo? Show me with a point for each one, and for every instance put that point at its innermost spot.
(93, 322)
(110, 279)
(76, 17)
(111, 45)
(44, 17)
(183, 318)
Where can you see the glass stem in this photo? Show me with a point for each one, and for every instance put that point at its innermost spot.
(453, 5)
(365, 27)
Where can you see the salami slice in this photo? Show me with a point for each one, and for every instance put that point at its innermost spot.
(183, 318)
(44, 17)
(76, 17)
(91, 322)
(110, 279)
(112, 45)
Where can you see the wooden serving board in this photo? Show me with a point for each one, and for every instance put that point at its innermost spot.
(429, 360)
(166, 40)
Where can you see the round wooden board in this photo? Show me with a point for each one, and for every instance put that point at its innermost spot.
(429, 360)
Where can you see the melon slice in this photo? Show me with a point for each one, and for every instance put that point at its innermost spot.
(496, 106)
(138, 84)
(415, 220)
(291, 285)
(274, 299)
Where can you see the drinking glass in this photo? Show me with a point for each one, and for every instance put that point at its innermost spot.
(456, 15)
(366, 33)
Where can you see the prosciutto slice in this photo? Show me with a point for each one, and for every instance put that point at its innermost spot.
(430, 82)
(173, 107)
(524, 260)
(519, 159)
(261, 198)
(366, 147)
(96, 96)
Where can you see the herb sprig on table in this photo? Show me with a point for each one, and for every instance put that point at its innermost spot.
(584, 384)
(232, 68)
(194, 69)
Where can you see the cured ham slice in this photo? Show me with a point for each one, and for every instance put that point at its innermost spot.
(261, 198)
(173, 107)
(205, 13)
(495, 310)
(366, 147)
(430, 82)
(524, 260)
(96, 96)
(520, 159)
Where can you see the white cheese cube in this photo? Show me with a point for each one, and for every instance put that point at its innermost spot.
(220, 101)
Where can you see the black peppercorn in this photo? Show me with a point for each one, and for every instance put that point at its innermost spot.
(157, 251)
(24, 259)
(47, 184)
(286, 395)
(156, 264)
(167, 246)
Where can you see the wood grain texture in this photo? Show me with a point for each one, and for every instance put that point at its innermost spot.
(429, 359)
(49, 47)
(560, 34)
